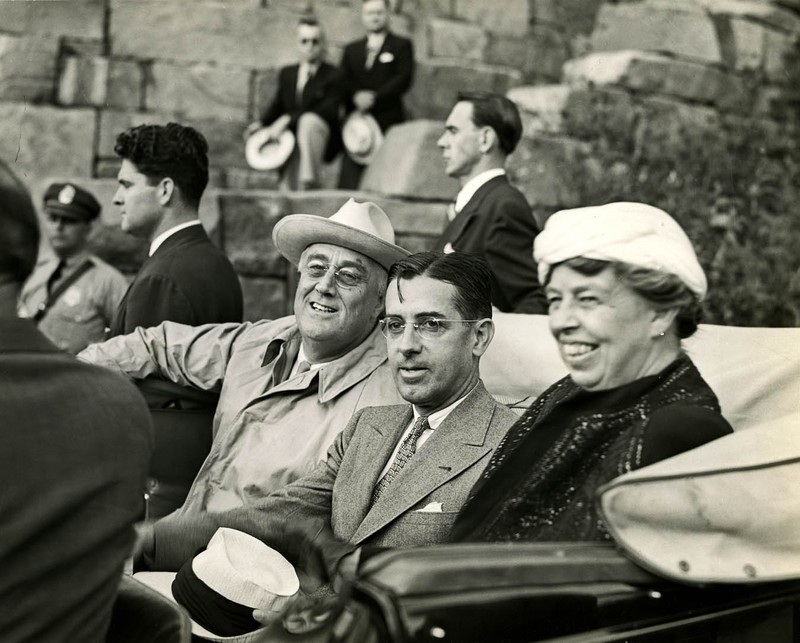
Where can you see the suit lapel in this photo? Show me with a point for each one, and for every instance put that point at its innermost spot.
(472, 208)
(456, 445)
(376, 444)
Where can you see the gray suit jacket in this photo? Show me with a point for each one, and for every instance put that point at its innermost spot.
(335, 497)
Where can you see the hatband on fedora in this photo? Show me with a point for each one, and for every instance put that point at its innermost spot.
(237, 567)
(361, 227)
(362, 137)
(265, 153)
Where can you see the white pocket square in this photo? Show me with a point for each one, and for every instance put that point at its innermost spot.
(431, 508)
(386, 57)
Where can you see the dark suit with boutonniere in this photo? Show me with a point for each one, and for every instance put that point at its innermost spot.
(390, 76)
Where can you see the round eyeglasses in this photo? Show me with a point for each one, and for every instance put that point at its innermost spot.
(344, 277)
(427, 327)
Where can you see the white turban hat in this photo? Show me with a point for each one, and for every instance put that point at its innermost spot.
(632, 233)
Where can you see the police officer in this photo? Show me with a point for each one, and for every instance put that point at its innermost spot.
(72, 295)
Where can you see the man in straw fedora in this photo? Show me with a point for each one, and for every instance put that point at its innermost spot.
(287, 386)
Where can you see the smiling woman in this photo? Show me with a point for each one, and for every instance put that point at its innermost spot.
(624, 287)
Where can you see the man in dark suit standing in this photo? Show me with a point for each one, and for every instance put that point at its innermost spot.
(491, 217)
(186, 278)
(74, 448)
(307, 103)
(378, 69)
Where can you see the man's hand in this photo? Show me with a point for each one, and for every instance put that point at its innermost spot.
(144, 546)
(364, 99)
(251, 129)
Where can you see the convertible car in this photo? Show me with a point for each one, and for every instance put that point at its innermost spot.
(706, 544)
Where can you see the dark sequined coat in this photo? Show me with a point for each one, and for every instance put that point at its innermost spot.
(540, 484)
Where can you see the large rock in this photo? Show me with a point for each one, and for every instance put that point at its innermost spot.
(198, 91)
(81, 18)
(456, 39)
(204, 31)
(539, 56)
(574, 17)
(541, 107)
(437, 83)
(27, 68)
(247, 223)
(125, 84)
(766, 13)
(410, 165)
(683, 29)
(510, 17)
(658, 74)
(83, 81)
(550, 170)
(40, 141)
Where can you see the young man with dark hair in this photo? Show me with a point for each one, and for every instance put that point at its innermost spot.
(74, 450)
(186, 278)
(491, 217)
(307, 102)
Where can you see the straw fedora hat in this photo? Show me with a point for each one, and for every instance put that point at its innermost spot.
(362, 227)
(263, 153)
(362, 137)
(240, 568)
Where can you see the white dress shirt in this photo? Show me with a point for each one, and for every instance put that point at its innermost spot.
(168, 233)
(471, 187)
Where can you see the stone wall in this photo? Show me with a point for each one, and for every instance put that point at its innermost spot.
(687, 104)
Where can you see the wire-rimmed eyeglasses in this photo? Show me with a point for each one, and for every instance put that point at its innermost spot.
(427, 327)
(345, 277)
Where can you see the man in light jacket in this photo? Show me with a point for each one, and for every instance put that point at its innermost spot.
(287, 386)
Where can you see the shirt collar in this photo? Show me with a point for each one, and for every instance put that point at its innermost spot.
(376, 40)
(474, 184)
(156, 243)
(435, 419)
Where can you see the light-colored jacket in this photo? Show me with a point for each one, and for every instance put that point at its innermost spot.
(265, 435)
(82, 313)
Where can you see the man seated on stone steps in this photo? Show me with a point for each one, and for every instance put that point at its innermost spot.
(287, 386)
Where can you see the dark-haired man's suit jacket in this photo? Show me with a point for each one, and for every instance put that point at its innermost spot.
(497, 223)
(417, 509)
(323, 94)
(187, 280)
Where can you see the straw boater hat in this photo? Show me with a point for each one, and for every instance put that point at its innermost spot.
(263, 153)
(362, 227)
(236, 567)
(362, 137)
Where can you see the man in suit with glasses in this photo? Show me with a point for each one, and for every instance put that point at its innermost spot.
(307, 103)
